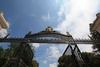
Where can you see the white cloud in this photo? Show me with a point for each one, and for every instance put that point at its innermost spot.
(56, 1)
(77, 14)
(85, 48)
(45, 62)
(35, 45)
(53, 52)
(53, 65)
(46, 18)
(3, 32)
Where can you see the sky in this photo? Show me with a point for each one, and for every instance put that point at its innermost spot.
(73, 16)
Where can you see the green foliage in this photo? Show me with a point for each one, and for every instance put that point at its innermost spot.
(6, 54)
(34, 63)
(96, 37)
(90, 59)
(10, 50)
(66, 61)
(1, 51)
(2, 59)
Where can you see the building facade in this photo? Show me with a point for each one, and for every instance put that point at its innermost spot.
(3, 23)
(95, 26)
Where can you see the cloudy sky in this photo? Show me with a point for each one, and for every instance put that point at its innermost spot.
(73, 16)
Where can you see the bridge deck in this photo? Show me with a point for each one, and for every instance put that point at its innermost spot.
(33, 40)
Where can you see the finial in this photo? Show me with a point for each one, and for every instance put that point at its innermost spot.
(68, 34)
(29, 32)
(7, 35)
(49, 29)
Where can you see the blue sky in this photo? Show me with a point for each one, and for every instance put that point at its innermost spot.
(73, 16)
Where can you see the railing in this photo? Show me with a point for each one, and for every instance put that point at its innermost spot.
(47, 40)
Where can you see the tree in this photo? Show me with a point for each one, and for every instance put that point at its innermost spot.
(10, 50)
(95, 36)
(66, 61)
(2, 59)
(91, 60)
(6, 54)
(34, 63)
(1, 51)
